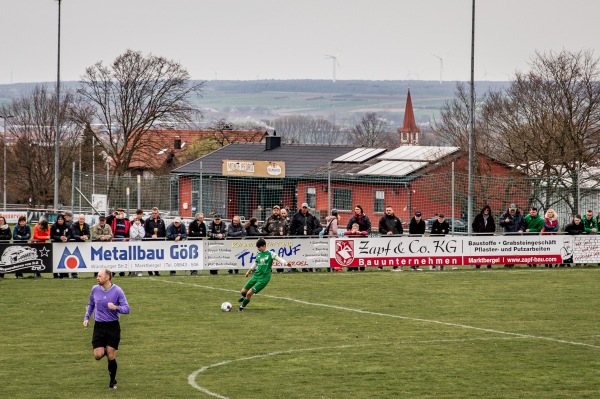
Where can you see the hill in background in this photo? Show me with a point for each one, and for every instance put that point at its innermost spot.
(342, 102)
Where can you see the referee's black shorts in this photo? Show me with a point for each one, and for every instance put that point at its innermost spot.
(106, 333)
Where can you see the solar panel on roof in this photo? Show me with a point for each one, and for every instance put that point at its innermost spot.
(392, 168)
(360, 155)
(418, 153)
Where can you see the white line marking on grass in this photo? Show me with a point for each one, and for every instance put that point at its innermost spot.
(443, 323)
(192, 377)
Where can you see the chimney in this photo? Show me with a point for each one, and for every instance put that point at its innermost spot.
(273, 141)
(177, 143)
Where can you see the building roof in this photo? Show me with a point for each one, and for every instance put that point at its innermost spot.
(409, 125)
(168, 143)
(310, 159)
(300, 159)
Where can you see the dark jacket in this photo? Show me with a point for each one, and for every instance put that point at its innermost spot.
(390, 223)
(23, 231)
(215, 229)
(197, 229)
(439, 229)
(5, 234)
(575, 229)
(123, 232)
(159, 224)
(57, 231)
(252, 231)
(415, 227)
(174, 231)
(514, 224)
(305, 225)
(480, 225)
(364, 223)
(77, 231)
(234, 231)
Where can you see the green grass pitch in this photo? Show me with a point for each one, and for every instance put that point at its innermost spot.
(520, 333)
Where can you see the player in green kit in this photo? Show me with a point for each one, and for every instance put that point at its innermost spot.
(262, 272)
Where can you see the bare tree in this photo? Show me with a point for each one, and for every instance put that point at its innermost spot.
(223, 133)
(372, 131)
(549, 120)
(30, 158)
(304, 129)
(136, 94)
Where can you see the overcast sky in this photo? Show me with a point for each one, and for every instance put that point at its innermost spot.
(287, 39)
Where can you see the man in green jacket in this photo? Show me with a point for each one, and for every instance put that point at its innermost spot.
(590, 224)
(534, 223)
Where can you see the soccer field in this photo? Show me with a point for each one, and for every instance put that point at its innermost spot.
(518, 333)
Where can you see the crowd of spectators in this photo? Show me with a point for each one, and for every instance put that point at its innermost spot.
(302, 223)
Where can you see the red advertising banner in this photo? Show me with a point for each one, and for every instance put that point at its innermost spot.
(450, 250)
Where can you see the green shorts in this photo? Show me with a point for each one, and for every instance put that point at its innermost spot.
(256, 284)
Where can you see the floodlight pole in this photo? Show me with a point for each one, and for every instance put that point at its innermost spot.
(471, 123)
(57, 133)
(4, 118)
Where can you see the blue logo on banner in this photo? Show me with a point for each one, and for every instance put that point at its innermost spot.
(71, 260)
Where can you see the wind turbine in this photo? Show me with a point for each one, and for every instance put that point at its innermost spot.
(334, 62)
(409, 74)
(441, 65)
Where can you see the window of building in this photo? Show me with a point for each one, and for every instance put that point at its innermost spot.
(379, 205)
(342, 199)
(311, 197)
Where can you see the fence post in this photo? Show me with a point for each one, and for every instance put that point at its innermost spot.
(139, 190)
(200, 192)
(72, 189)
(127, 193)
(578, 189)
(329, 189)
(452, 200)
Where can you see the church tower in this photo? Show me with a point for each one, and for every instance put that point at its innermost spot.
(409, 132)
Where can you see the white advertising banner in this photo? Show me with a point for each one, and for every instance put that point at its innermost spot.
(240, 254)
(127, 256)
(324, 252)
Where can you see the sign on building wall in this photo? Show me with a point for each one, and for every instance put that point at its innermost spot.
(272, 169)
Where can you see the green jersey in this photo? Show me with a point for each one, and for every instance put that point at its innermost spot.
(264, 263)
(534, 224)
(589, 224)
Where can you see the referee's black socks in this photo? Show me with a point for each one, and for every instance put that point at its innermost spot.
(112, 369)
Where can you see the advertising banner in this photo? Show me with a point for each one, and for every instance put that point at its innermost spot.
(450, 250)
(240, 254)
(26, 258)
(127, 256)
(300, 253)
(12, 217)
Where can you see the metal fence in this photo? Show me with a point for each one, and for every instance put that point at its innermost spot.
(254, 197)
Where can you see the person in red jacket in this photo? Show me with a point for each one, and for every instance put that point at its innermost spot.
(41, 234)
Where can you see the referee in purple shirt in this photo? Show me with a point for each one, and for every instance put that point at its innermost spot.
(107, 300)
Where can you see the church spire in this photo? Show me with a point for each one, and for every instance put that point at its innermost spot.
(409, 133)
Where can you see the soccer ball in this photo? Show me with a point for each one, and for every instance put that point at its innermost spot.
(226, 307)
